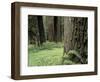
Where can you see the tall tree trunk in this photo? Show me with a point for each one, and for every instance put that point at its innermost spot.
(75, 37)
(67, 34)
(80, 37)
(41, 29)
(58, 29)
(49, 26)
(33, 32)
(55, 28)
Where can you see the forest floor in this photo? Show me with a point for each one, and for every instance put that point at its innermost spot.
(48, 54)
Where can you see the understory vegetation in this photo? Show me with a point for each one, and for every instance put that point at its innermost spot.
(49, 53)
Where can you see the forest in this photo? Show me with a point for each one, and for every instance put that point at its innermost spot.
(57, 40)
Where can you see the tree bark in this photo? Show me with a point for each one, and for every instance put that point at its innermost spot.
(67, 34)
(49, 26)
(33, 32)
(58, 29)
(75, 37)
(41, 29)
